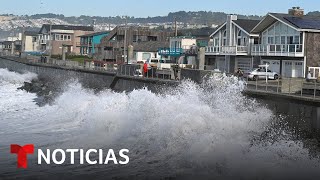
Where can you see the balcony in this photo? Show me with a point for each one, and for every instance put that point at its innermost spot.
(290, 50)
(84, 44)
(227, 50)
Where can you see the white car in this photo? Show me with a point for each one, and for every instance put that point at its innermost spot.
(260, 73)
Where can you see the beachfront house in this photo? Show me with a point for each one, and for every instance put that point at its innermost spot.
(53, 37)
(286, 41)
(230, 45)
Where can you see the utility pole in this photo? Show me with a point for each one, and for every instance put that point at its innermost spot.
(175, 26)
(12, 43)
(23, 41)
(50, 41)
(125, 43)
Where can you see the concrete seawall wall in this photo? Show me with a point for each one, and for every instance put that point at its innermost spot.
(307, 113)
(88, 78)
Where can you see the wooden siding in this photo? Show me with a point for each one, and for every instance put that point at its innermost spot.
(312, 49)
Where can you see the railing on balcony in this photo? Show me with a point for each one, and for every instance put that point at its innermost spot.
(84, 44)
(242, 49)
(278, 50)
(212, 49)
(227, 49)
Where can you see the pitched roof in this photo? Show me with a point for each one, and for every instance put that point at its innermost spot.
(31, 33)
(303, 22)
(95, 34)
(246, 24)
(150, 46)
(67, 27)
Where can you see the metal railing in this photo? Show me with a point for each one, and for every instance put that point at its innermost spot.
(84, 44)
(133, 70)
(137, 71)
(227, 49)
(295, 87)
(277, 50)
(86, 65)
(212, 49)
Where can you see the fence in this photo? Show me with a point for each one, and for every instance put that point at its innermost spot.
(137, 71)
(288, 86)
(87, 65)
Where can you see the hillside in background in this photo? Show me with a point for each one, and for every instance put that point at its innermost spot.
(11, 24)
(198, 17)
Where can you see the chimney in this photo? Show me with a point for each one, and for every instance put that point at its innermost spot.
(229, 28)
(296, 11)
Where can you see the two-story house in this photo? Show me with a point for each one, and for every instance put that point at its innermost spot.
(182, 50)
(88, 42)
(230, 45)
(114, 47)
(287, 42)
(52, 38)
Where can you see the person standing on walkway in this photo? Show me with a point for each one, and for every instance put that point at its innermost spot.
(145, 69)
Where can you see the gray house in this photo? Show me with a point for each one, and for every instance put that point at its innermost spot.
(231, 44)
(289, 43)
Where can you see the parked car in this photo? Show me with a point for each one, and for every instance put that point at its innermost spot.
(153, 62)
(261, 73)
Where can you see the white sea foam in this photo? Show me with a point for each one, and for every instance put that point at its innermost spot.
(199, 129)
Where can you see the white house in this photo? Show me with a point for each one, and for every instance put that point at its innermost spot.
(31, 43)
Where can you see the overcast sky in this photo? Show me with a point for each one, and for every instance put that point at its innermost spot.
(145, 8)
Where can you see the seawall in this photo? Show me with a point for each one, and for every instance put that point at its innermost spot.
(299, 108)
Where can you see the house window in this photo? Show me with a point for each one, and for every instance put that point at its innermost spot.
(279, 33)
(270, 40)
(283, 40)
(277, 39)
(290, 40)
(224, 38)
(296, 40)
(216, 42)
(239, 37)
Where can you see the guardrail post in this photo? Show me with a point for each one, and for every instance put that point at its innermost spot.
(266, 86)
(302, 83)
(315, 89)
(152, 72)
(278, 86)
(290, 86)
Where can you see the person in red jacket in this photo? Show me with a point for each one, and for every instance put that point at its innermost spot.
(145, 69)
